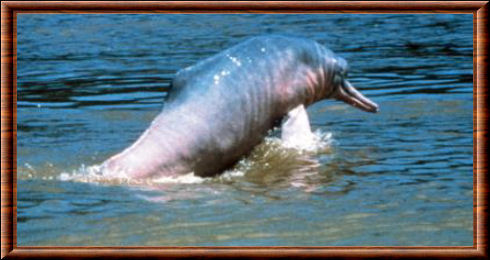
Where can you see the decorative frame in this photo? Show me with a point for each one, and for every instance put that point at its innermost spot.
(9, 10)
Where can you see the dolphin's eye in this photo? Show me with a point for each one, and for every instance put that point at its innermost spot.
(343, 70)
(337, 79)
(343, 67)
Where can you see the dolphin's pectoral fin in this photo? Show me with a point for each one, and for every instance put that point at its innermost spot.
(295, 129)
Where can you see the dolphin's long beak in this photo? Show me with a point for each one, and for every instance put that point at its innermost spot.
(351, 96)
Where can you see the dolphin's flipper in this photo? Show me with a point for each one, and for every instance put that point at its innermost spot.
(295, 129)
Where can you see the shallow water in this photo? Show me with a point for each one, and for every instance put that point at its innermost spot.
(88, 85)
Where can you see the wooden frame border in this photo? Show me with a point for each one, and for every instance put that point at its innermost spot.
(9, 9)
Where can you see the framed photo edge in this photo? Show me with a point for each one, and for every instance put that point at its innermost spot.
(9, 10)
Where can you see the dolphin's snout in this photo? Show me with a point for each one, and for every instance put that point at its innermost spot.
(351, 96)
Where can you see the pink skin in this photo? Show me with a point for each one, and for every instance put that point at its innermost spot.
(220, 108)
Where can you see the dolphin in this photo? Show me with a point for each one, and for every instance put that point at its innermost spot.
(219, 109)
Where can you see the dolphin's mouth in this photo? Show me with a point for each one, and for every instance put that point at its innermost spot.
(351, 96)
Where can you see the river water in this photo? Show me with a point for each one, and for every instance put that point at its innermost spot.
(89, 84)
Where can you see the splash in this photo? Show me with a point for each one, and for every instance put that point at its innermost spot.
(274, 155)
(189, 178)
(271, 156)
(94, 174)
(313, 142)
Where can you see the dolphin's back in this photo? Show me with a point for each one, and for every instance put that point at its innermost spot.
(220, 108)
(239, 93)
(245, 65)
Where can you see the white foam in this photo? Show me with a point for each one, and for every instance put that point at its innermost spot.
(189, 178)
(271, 147)
(95, 174)
(229, 175)
(312, 142)
(83, 174)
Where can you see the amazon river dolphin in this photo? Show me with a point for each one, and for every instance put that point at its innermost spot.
(219, 109)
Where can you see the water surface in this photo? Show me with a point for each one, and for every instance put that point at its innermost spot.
(89, 84)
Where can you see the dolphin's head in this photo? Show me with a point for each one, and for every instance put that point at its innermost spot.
(343, 90)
